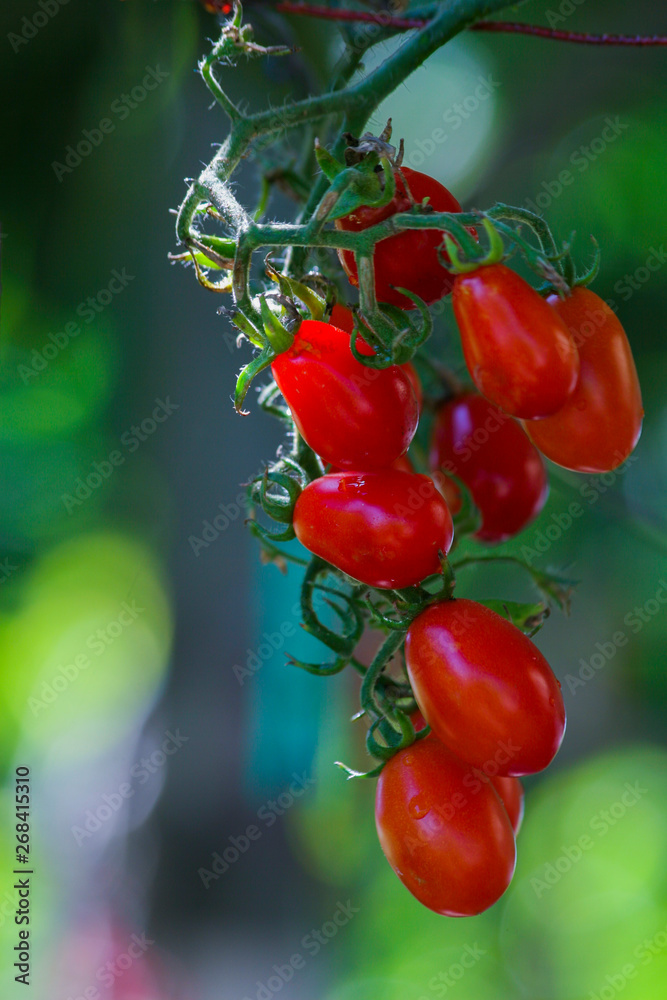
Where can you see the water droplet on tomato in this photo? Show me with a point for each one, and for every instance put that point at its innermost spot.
(418, 807)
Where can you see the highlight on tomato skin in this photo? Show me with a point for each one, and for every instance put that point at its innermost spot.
(444, 832)
(519, 352)
(353, 416)
(384, 528)
(599, 426)
(408, 259)
(484, 688)
(511, 794)
(491, 453)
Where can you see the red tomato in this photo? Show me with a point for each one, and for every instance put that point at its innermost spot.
(342, 317)
(519, 353)
(217, 6)
(453, 849)
(408, 259)
(510, 791)
(402, 464)
(382, 528)
(484, 688)
(599, 425)
(490, 452)
(418, 721)
(415, 382)
(351, 415)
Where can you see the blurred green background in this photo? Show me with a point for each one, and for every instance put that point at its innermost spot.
(120, 635)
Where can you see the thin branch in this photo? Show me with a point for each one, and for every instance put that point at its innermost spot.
(578, 37)
(511, 27)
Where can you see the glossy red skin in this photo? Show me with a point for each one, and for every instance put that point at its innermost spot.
(415, 382)
(382, 528)
(599, 425)
(409, 259)
(351, 415)
(342, 317)
(519, 352)
(402, 464)
(484, 688)
(490, 452)
(510, 791)
(445, 834)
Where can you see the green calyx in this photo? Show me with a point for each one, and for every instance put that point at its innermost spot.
(315, 304)
(273, 340)
(494, 255)
(371, 183)
(390, 332)
(528, 617)
(589, 276)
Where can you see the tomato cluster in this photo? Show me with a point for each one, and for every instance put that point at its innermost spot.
(552, 376)
(459, 703)
(379, 524)
(448, 807)
(564, 365)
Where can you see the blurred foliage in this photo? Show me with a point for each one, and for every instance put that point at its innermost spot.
(589, 898)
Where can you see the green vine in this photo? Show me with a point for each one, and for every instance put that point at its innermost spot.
(345, 109)
(354, 172)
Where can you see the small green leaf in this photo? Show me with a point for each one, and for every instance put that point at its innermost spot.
(528, 617)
